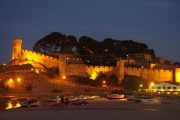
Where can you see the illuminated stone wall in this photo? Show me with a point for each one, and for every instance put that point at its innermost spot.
(76, 69)
(177, 74)
(22, 56)
(150, 74)
(91, 69)
(48, 61)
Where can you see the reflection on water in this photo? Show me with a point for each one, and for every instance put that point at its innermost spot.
(17, 105)
(11, 102)
(11, 105)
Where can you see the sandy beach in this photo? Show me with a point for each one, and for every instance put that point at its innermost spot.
(99, 109)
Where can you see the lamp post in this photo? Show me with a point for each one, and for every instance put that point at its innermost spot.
(151, 87)
(18, 80)
(141, 86)
(104, 83)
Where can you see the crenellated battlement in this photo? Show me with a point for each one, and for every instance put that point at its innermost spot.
(150, 74)
(39, 54)
(99, 67)
(91, 69)
(48, 61)
(145, 69)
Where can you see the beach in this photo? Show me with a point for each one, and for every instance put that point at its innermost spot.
(98, 109)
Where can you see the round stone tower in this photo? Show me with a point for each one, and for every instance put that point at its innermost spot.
(120, 70)
(16, 48)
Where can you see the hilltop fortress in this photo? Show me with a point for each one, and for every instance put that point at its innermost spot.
(67, 64)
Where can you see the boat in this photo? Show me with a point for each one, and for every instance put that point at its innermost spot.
(87, 97)
(53, 100)
(151, 101)
(33, 102)
(130, 97)
(115, 96)
(147, 100)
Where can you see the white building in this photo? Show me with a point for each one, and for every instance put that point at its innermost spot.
(165, 87)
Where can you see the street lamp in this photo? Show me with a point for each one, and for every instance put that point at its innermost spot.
(151, 87)
(64, 77)
(141, 86)
(104, 83)
(18, 79)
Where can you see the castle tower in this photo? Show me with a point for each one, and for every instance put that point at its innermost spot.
(16, 48)
(120, 70)
(62, 65)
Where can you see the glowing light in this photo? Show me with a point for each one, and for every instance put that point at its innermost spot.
(64, 77)
(17, 105)
(94, 75)
(123, 99)
(141, 85)
(9, 106)
(37, 71)
(10, 83)
(177, 74)
(104, 82)
(151, 84)
(18, 79)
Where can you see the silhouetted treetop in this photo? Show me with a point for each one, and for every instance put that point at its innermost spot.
(100, 52)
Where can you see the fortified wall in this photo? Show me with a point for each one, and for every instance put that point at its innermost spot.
(21, 56)
(98, 69)
(150, 74)
(48, 61)
(67, 67)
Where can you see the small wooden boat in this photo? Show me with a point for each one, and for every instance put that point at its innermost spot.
(115, 96)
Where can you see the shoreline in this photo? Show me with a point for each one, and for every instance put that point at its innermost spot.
(98, 110)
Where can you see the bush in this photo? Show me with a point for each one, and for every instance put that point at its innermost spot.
(131, 83)
(56, 90)
(29, 87)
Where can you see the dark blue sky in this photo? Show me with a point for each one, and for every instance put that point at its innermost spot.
(154, 22)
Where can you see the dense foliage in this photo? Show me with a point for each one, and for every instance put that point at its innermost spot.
(132, 83)
(92, 52)
(111, 80)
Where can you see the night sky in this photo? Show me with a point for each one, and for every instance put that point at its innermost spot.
(154, 22)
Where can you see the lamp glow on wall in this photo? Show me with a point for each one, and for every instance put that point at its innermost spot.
(94, 75)
(177, 74)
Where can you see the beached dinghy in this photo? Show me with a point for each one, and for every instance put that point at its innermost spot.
(115, 96)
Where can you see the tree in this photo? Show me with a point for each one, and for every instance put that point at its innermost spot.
(50, 43)
(71, 42)
(131, 83)
(92, 52)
